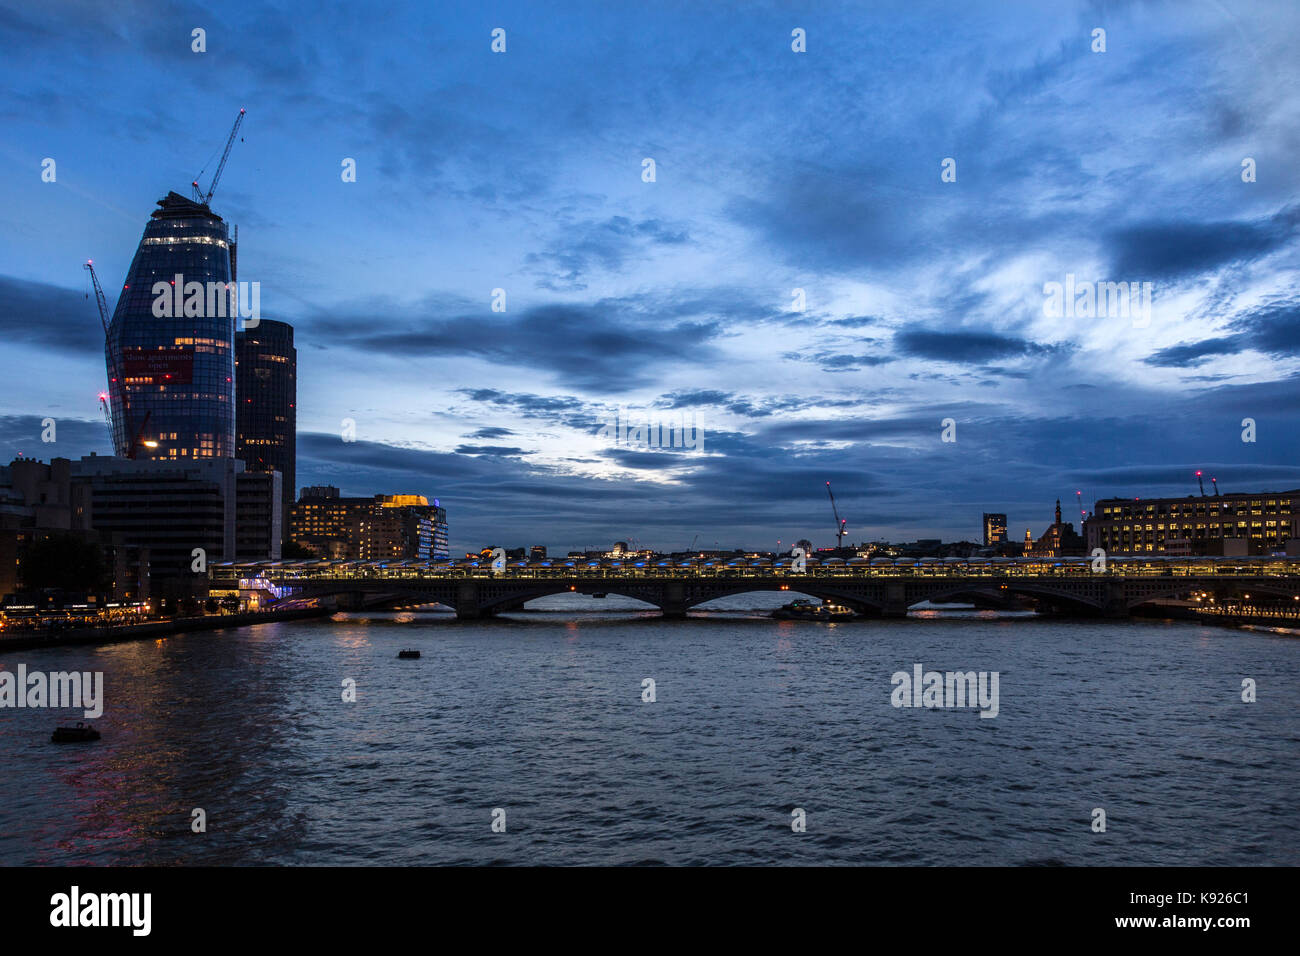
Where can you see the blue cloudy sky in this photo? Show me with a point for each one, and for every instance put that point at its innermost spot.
(775, 171)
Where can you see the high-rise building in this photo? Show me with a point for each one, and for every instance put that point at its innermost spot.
(995, 529)
(266, 395)
(170, 353)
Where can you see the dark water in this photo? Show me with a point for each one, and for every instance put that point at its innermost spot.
(541, 715)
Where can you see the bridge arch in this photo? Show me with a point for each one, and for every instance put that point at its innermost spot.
(1001, 590)
(822, 591)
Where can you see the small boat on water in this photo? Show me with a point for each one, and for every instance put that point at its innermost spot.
(408, 655)
(803, 610)
(73, 735)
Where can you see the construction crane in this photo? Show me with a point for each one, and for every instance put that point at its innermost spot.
(840, 530)
(137, 434)
(206, 198)
(103, 321)
(1083, 515)
(1200, 481)
(1215, 482)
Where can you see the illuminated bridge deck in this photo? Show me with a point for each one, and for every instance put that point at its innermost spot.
(881, 587)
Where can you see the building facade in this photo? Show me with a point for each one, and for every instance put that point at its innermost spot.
(171, 509)
(995, 529)
(379, 528)
(266, 397)
(40, 500)
(171, 357)
(1225, 524)
(1059, 540)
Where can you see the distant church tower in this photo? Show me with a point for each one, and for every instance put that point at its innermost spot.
(1058, 512)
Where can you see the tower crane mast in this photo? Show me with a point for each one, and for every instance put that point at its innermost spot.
(199, 194)
(102, 303)
(841, 532)
(134, 436)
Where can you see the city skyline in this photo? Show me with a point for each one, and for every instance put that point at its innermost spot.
(924, 299)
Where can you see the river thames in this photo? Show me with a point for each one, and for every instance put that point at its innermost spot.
(540, 714)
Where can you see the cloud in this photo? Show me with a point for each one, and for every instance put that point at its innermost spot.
(603, 346)
(49, 317)
(966, 346)
(491, 451)
(1195, 353)
(606, 245)
(1179, 248)
(1273, 329)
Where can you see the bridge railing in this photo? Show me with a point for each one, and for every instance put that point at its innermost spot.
(230, 574)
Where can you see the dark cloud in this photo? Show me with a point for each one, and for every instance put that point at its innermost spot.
(1272, 329)
(600, 347)
(1178, 248)
(48, 316)
(492, 451)
(966, 345)
(1194, 353)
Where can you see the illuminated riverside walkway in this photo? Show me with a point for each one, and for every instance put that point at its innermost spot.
(879, 588)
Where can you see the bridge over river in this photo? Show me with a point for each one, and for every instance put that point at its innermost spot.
(879, 588)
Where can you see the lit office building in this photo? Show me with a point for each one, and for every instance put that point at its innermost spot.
(1235, 524)
(995, 529)
(380, 528)
(171, 379)
(266, 395)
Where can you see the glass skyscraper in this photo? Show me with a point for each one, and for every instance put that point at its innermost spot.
(172, 376)
(266, 392)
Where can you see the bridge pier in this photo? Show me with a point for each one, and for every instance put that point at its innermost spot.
(895, 604)
(467, 603)
(1116, 605)
(350, 601)
(673, 607)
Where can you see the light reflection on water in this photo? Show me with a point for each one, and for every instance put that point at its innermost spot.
(540, 713)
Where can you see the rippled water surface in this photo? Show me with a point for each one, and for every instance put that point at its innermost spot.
(541, 714)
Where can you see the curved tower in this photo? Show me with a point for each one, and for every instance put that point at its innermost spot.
(171, 357)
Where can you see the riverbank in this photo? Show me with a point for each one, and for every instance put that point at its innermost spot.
(154, 629)
(1219, 617)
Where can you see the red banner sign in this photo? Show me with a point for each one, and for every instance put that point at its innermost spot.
(170, 367)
